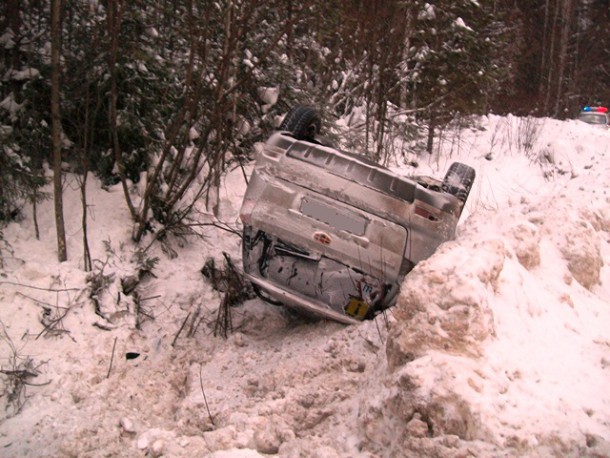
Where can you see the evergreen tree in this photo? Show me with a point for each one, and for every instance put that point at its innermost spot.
(24, 106)
(178, 91)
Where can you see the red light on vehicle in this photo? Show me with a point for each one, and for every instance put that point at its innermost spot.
(322, 238)
(596, 109)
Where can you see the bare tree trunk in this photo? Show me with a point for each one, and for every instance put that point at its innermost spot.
(551, 57)
(431, 127)
(87, 263)
(62, 252)
(114, 12)
(543, 55)
(35, 216)
(12, 16)
(86, 252)
(575, 63)
(289, 29)
(563, 54)
(368, 115)
(404, 86)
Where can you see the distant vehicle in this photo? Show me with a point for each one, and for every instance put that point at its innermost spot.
(333, 234)
(597, 116)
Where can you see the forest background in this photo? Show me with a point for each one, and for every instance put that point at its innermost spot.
(167, 95)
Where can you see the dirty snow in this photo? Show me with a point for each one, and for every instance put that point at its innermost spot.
(498, 347)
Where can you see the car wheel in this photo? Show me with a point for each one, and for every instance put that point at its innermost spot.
(458, 181)
(303, 122)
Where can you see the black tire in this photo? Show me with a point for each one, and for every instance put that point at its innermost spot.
(458, 181)
(303, 122)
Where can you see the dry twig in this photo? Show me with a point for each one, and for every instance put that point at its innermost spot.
(180, 330)
(54, 290)
(205, 400)
(111, 358)
(18, 375)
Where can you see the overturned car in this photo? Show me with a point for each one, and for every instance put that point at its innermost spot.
(333, 234)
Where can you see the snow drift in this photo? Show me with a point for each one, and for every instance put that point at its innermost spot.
(498, 345)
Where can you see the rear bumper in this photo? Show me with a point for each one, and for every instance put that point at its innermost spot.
(299, 302)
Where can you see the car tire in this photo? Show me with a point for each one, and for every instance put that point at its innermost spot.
(302, 122)
(458, 181)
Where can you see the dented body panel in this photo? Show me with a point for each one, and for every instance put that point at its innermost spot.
(334, 234)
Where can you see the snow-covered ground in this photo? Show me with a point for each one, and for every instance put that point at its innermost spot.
(499, 345)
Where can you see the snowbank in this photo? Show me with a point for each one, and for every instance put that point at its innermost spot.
(498, 346)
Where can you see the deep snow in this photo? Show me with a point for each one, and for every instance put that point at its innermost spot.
(499, 345)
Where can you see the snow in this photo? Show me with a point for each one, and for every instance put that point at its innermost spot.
(498, 345)
(269, 95)
(9, 104)
(460, 24)
(25, 74)
(427, 13)
(193, 133)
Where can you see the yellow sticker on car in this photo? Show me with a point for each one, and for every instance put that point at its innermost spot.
(356, 308)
